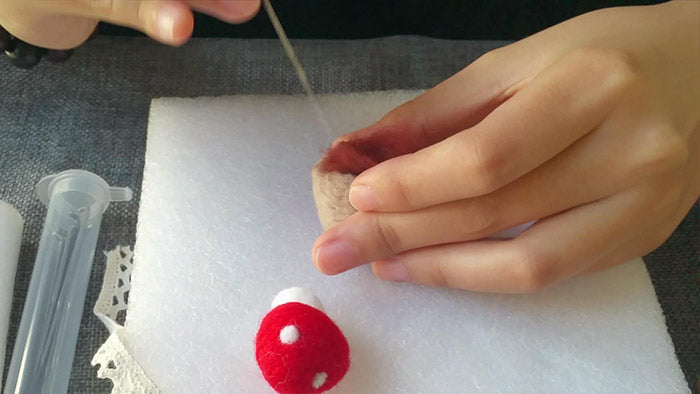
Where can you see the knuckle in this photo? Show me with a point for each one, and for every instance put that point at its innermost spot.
(390, 238)
(404, 193)
(616, 69)
(658, 150)
(447, 275)
(441, 277)
(664, 150)
(490, 58)
(102, 6)
(403, 111)
(478, 217)
(534, 271)
(396, 116)
(406, 119)
(142, 13)
(132, 13)
(485, 168)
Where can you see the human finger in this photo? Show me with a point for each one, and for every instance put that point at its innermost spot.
(168, 21)
(550, 251)
(232, 11)
(538, 122)
(457, 103)
(571, 179)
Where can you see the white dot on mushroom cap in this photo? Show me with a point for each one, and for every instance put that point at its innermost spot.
(289, 334)
(319, 379)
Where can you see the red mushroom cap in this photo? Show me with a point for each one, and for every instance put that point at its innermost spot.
(300, 350)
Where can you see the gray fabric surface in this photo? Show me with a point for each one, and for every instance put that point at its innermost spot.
(92, 113)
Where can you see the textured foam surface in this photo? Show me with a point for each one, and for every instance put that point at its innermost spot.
(227, 220)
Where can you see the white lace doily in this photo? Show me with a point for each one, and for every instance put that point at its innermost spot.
(113, 357)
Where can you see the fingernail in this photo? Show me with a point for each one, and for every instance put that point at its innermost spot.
(363, 198)
(391, 270)
(335, 257)
(166, 23)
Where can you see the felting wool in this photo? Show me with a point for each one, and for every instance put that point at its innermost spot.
(333, 175)
(300, 350)
(331, 195)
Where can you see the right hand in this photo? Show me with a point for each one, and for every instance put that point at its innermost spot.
(591, 128)
(65, 24)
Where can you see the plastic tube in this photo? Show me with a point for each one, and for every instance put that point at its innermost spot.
(45, 347)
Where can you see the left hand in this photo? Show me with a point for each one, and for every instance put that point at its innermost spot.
(65, 24)
(591, 126)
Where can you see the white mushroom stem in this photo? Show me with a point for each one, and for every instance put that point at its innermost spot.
(297, 294)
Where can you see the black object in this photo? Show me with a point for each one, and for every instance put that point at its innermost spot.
(24, 55)
(58, 56)
(4, 39)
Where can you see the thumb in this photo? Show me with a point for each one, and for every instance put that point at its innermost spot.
(168, 21)
(51, 32)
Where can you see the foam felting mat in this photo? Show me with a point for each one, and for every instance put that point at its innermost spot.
(227, 220)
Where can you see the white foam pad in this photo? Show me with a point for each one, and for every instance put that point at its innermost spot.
(11, 225)
(227, 220)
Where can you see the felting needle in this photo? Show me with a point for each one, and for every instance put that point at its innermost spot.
(301, 75)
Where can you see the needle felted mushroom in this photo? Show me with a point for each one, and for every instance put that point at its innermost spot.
(298, 348)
